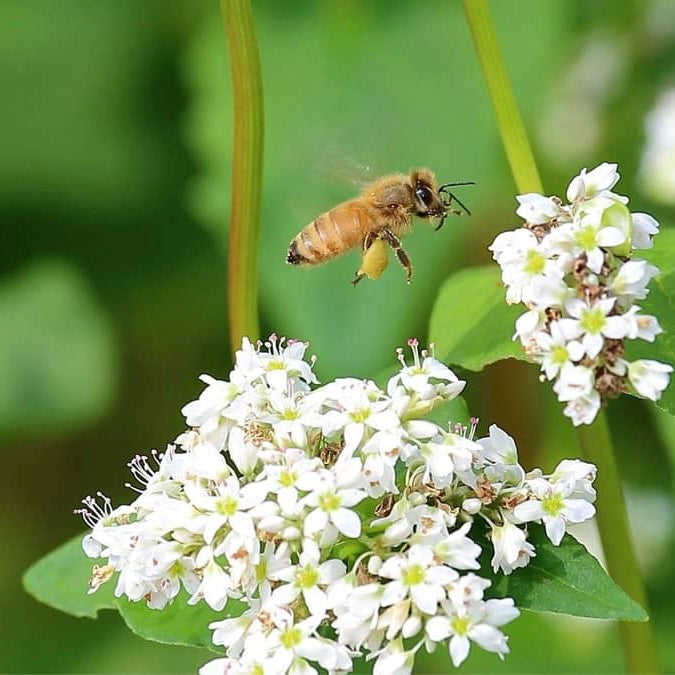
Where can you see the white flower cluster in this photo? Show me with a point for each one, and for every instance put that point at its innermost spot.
(345, 521)
(571, 265)
(657, 164)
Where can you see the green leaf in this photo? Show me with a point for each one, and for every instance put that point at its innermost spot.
(178, 623)
(471, 324)
(57, 366)
(60, 580)
(661, 303)
(563, 579)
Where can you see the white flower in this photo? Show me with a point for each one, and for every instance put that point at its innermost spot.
(511, 548)
(331, 506)
(595, 183)
(477, 623)
(416, 576)
(650, 378)
(307, 578)
(536, 209)
(630, 282)
(582, 474)
(645, 227)
(584, 408)
(394, 660)
(574, 381)
(556, 350)
(593, 323)
(552, 503)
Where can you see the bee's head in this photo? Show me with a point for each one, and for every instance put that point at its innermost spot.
(432, 200)
(428, 200)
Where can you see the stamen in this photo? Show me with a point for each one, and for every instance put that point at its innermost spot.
(93, 512)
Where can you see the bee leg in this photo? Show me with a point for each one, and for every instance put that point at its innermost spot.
(401, 255)
(367, 243)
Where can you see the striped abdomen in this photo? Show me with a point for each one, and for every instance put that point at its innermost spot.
(333, 233)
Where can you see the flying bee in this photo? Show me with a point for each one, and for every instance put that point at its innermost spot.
(384, 211)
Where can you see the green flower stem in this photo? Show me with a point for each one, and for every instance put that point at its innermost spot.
(511, 128)
(637, 638)
(242, 273)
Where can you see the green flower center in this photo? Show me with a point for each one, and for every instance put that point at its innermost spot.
(586, 238)
(360, 415)
(287, 478)
(413, 575)
(291, 637)
(559, 355)
(593, 320)
(329, 502)
(227, 506)
(290, 415)
(553, 504)
(460, 625)
(307, 577)
(276, 365)
(535, 262)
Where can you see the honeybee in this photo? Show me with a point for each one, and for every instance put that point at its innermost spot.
(383, 211)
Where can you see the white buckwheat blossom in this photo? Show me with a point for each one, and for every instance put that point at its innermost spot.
(571, 265)
(343, 520)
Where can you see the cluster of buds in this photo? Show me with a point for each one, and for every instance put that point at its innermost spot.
(572, 266)
(347, 523)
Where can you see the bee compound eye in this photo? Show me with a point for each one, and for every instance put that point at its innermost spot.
(424, 195)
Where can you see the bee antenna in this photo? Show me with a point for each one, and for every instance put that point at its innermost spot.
(459, 202)
(447, 185)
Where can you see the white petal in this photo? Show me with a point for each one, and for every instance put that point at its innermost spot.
(347, 522)
(459, 649)
(555, 529)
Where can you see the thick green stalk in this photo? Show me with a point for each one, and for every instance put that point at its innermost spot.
(242, 272)
(595, 441)
(511, 128)
(637, 638)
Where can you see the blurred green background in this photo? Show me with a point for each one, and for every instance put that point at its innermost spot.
(114, 182)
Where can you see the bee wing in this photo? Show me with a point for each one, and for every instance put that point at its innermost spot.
(337, 167)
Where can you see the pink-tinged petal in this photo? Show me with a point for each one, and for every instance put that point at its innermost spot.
(578, 510)
(555, 529)
(459, 649)
(315, 521)
(347, 522)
